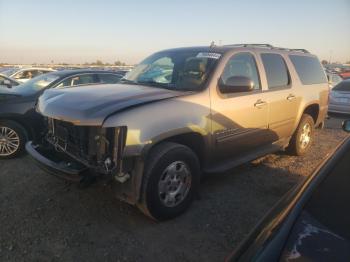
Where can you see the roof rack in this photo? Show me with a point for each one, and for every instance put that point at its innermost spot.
(270, 47)
(299, 50)
(247, 45)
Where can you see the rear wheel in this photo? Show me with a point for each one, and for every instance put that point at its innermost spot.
(301, 140)
(171, 177)
(12, 139)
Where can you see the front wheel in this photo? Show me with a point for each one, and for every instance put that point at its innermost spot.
(301, 140)
(12, 139)
(171, 177)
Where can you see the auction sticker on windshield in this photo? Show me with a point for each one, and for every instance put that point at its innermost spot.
(209, 55)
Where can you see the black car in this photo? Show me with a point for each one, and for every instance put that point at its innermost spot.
(312, 222)
(18, 119)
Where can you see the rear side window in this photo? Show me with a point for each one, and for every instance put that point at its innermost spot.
(342, 86)
(109, 78)
(309, 69)
(78, 80)
(276, 71)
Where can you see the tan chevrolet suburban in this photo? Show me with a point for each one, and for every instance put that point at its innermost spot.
(181, 113)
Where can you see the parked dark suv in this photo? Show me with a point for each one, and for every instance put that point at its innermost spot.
(182, 112)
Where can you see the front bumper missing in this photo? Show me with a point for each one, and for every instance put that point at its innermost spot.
(56, 163)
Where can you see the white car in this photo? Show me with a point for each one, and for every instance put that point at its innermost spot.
(24, 74)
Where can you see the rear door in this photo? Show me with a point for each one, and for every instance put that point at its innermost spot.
(239, 119)
(283, 100)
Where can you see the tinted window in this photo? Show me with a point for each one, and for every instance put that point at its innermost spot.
(276, 70)
(109, 78)
(309, 69)
(35, 73)
(242, 64)
(342, 86)
(78, 80)
(23, 75)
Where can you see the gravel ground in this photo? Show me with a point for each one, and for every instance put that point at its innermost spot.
(46, 219)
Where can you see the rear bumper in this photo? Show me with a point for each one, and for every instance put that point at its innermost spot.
(55, 164)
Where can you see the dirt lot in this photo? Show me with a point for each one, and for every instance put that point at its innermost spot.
(43, 218)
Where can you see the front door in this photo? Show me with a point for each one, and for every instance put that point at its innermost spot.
(239, 119)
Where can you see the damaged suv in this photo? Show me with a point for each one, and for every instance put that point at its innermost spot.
(180, 113)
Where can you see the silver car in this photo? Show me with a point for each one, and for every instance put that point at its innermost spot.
(333, 79)
(339, 98)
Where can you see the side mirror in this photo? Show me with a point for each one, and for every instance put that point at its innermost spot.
(346, 126)
(7, 83)
(236, 84)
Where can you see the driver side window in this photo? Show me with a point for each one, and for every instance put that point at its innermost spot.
(242, 64)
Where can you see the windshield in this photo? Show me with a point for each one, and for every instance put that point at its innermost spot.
(177, 70)
(36, 84)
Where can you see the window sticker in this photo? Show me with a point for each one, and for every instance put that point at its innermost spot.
(209, 55)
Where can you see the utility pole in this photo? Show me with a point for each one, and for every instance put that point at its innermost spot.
(330, 56)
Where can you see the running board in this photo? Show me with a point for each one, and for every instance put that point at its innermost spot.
(229, 164)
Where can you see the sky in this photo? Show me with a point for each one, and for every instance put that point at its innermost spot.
(78, 31)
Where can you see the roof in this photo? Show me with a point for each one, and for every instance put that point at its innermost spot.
(226, 48)
(81, 71)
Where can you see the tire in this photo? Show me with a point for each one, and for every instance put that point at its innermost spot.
(162, 180)
(298, 144)
(14, 131)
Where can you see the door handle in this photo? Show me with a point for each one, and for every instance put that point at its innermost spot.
(260, 103)
(290, 97)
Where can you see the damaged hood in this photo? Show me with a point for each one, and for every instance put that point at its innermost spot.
(91, 105)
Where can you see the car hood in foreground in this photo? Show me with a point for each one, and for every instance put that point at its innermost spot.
(91, 105)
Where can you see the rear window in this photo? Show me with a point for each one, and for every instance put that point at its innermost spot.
(276, 70)
(342, 86)
(309, 69)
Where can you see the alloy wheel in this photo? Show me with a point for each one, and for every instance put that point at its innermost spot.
(305, 136)
(9, 141)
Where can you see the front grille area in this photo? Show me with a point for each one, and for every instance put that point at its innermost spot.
(77, 141)
(95, 147)
(74, 139)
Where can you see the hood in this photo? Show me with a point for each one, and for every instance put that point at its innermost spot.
(91, 105)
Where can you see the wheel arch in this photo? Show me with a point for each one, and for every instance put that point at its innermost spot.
(28, 131)
(313, 110)
(193, 140)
